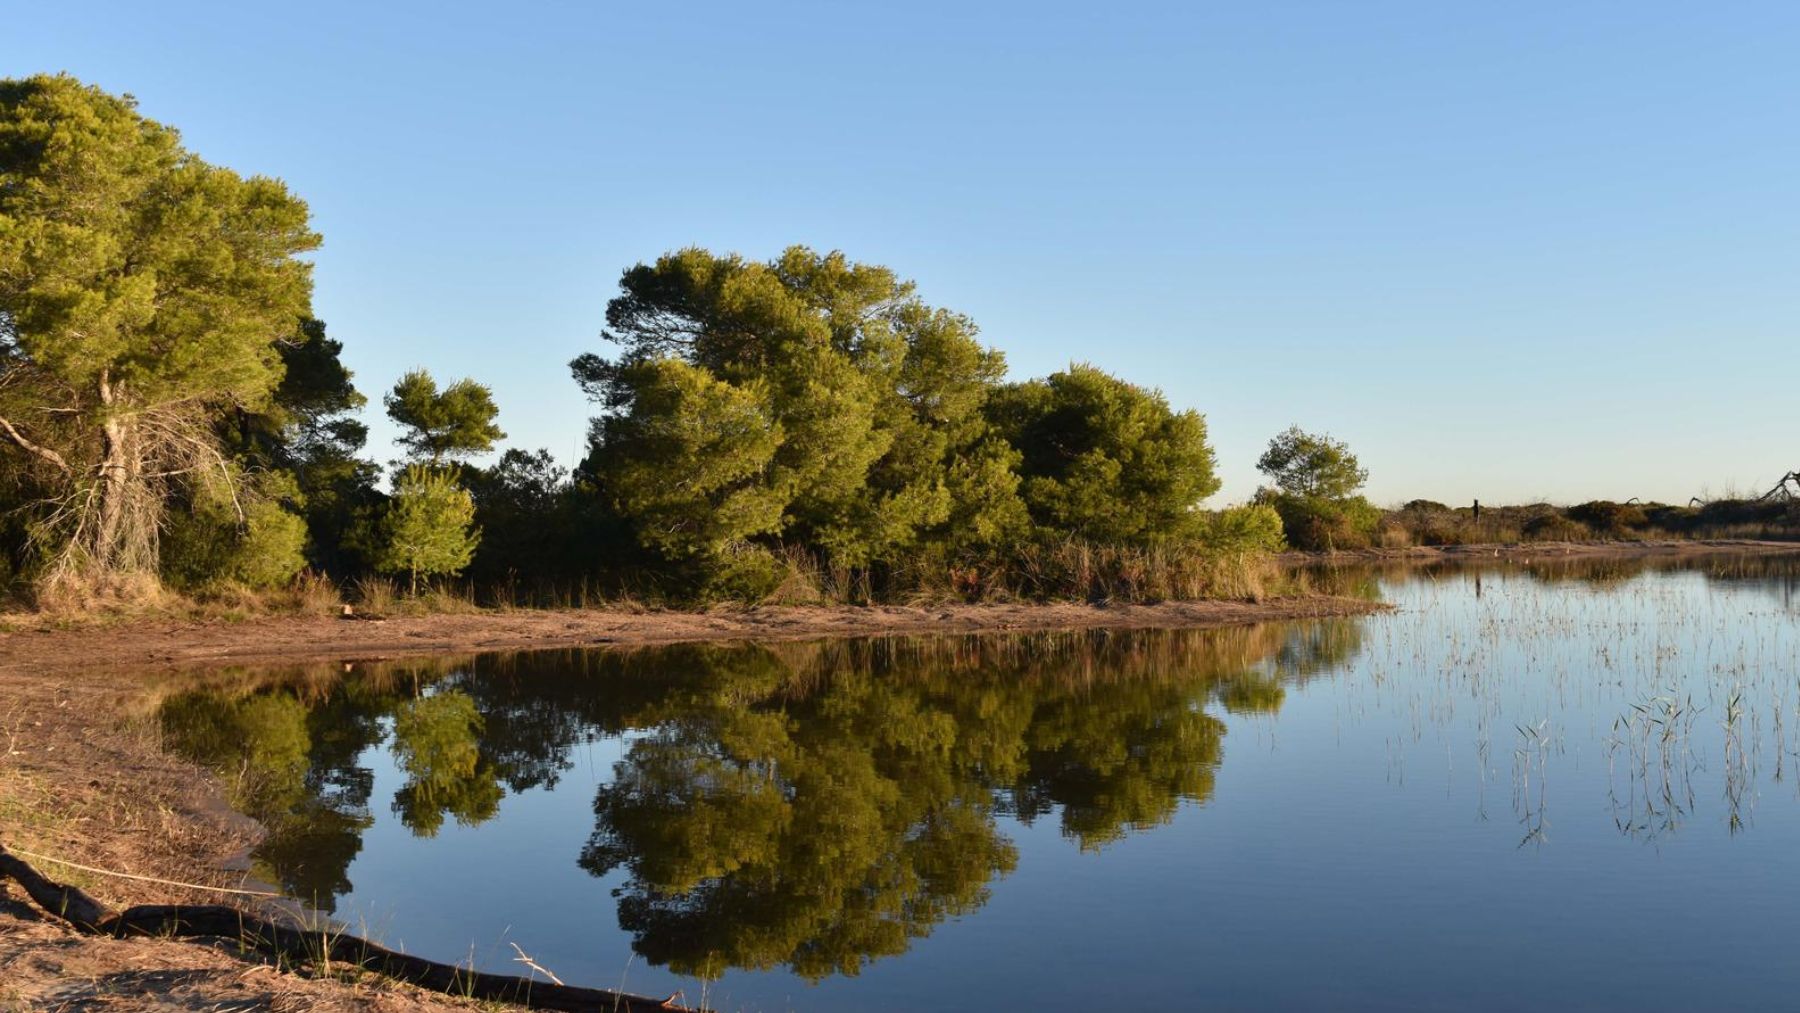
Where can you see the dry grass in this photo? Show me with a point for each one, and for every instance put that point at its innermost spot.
(308, 595)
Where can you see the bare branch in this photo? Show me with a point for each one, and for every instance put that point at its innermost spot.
(18, 438)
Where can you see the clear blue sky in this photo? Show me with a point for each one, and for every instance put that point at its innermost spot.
(1505, 250)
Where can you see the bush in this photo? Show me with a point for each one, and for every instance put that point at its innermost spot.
(1393, 535)
(743, 573)
(1427, 522)
(1724, 512)
(1609, 518)
(271, 549)
(1554, 527)
(1253, 528)
(1327, 524)
(263, 547)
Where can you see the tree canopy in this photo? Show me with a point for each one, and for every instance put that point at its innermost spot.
(142, 292)
(816, 402)
(1316, 478)
(429, 526)
(839, 403)
(455, 422)
(1104, 459)
(1312, 466)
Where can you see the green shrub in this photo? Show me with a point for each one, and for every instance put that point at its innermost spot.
(1253, 528)
(743, 573)
(429, 526)
(1327, 524)
(262, 546)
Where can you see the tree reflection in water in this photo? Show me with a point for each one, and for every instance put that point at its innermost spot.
(810, 805)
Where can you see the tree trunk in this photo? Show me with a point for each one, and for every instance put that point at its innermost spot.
(119, 541)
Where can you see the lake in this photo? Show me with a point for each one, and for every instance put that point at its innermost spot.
(1569, 784)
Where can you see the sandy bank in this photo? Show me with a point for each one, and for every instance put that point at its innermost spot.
(151, 644)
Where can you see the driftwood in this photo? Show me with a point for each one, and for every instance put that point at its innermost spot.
(1785, 491)
(91, 917)
(1781, 492)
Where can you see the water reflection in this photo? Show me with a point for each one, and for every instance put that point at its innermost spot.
(1775, 573)
(807, 805)
(811, 809)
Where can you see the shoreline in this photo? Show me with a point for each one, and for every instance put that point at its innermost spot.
(85, 779)
(88, 781)
(1669, 548)
(156, 645)
(43, 645)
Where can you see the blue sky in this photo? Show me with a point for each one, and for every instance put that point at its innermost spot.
(1505, 251)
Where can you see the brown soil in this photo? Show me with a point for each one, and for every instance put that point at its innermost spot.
(82, 780)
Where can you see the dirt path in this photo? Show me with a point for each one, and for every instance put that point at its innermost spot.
(162, 645)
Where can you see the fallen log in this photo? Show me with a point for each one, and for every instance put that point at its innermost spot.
(91, 917)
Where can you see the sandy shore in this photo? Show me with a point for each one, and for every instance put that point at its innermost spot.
(163, 645)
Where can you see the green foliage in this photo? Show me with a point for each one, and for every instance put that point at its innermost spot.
(1103, 459)
(525, 510)
(272, 548)
(455, 422)
(688, 459)
(142, 293)
(846, 404)
(428, 528)
(309, 432)
(1316, 478)
(242, 532)
(1254, 528)
(744, 573)
(437, 741)
(125, 261)
(1326, 524)
(1305, 466)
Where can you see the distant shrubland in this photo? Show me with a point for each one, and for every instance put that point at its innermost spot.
(1424, 522)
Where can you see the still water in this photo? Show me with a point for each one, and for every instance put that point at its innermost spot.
(1572, 785)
